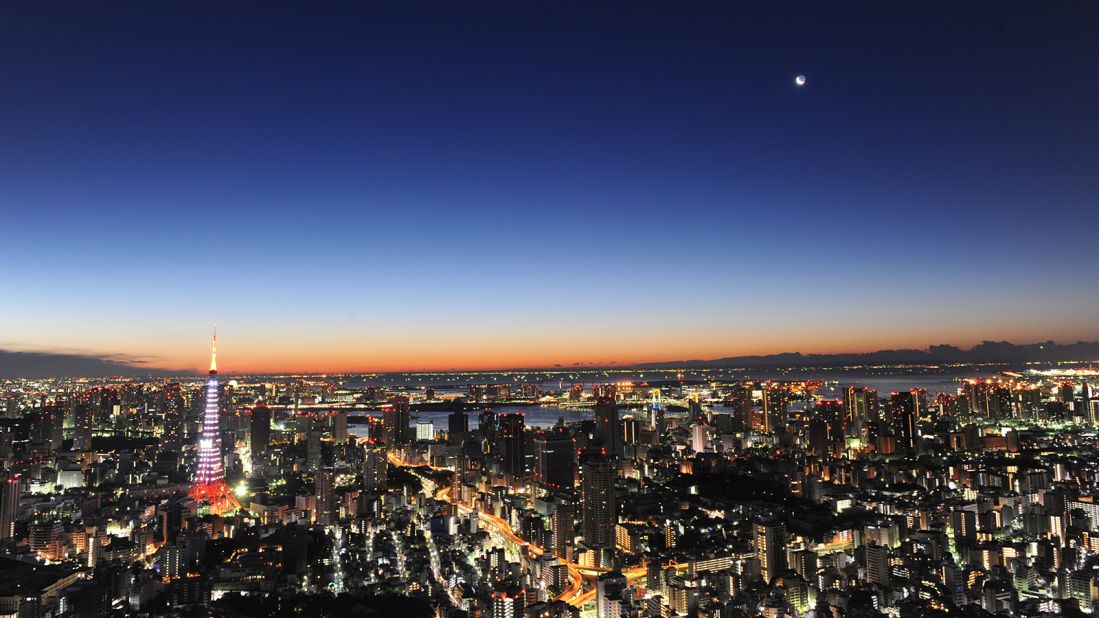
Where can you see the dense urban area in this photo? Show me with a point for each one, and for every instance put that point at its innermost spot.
(668, 495)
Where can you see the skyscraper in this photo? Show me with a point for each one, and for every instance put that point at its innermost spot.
(326, 496)
(172, 407)
(598, 514)
(82, 426)
(512, 441)
(774, 406)
(859, 405)
(555, 460)
(877, 564)
(260, 430)
(608, 425)
(9, 505)
(563, 523)
(209, 485)
(375, 468)
(339, 426)
(48, 422)
(457, 426)
(905, 412)
(396, 417)
(770, 540)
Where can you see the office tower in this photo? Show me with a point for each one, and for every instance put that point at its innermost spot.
(563, 523)
(209, 485)
(425, 431)
(608, 426)
(396, 416)
(457, 426)
(10, 492)
(598, 514)
(339, 427)
(314, 457)
(487, 426)
(905, 413)
(48, 424)
(963, 523)
(555, 460)
(877, 564)
(859, 405)
(631, 431)
(612, 595)
(83, 423)
(375, 468)
(770, 539)
(259, 437)
(774, 406)
(511, 441)
(326, 496)
(740, 403)
(699, 437)
(173, 407)
(826, 429)
(804, 563)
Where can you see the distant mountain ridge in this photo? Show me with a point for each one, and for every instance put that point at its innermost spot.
(984, 352)
(55, 365)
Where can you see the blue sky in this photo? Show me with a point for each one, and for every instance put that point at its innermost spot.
(442, 185)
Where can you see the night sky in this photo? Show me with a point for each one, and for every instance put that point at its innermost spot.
(437, 185)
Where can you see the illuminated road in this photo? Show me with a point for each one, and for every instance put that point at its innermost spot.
(578, 575)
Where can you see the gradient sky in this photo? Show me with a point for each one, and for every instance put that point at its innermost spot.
(348, 186)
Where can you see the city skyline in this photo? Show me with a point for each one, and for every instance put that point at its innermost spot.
(579, 185)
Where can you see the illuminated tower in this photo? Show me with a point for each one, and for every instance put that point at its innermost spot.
(209, 485)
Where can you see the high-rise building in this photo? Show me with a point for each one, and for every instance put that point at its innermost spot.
(612, 595)
(173, 407)
(699, 437)
(209, 486)
(324, 483)
(397, 418)
(314, 456)
(770, 541)
(563, 524)
(425, 431)
(83, 422)
(375, 468)
(608, 425)
(904, 408)
(260, 430)
(512, 440)
(631, 431)
(48, 423)
(598, 512)
(739, 402)
(339, 427)
(877, 564)
(774, 406)
(555, 460)
(10, 492)
(859, 405)
(457, 426)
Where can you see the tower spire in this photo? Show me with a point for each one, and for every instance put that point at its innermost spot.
(214, 352)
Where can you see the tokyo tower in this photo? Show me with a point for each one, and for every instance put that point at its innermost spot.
(209, 485)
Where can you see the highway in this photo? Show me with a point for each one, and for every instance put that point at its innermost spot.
(578, 575)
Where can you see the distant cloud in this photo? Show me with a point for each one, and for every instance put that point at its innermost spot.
(58, 364)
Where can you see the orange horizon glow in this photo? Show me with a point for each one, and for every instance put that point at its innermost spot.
(351, 361)
(251, 349)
